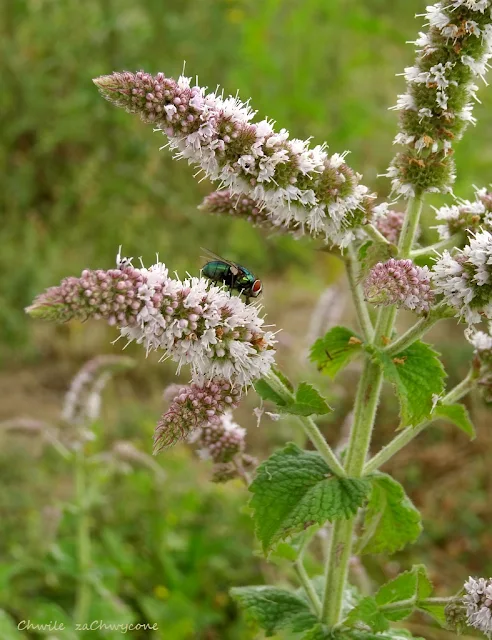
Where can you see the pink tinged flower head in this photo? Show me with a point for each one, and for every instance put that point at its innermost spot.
(112, 295)
(298, 185)
(242, 206)
(465, 279)
(195, 407)
(221, 440)
(388, 222)
(478, 602)
(192, 321)
(400, 282)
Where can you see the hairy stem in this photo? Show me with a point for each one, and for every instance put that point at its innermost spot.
(408, 434)
(310, 428)
(358, 296)
(83, 595)
(410, 224)
(307, 585)
(340, 546)
(375, 234)
(366, 403)
(414, 333)
(432, 250)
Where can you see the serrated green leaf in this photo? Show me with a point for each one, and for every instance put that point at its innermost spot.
(367, 612)
(265, 391)
(275, 609)
(390, 521)
(322, 632)
(437, 611)
(307, 402)
(335, 350)
(413, 584)
(458, 415)
(294, 489)
(418, 377)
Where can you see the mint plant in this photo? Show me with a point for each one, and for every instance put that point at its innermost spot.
(289, 186)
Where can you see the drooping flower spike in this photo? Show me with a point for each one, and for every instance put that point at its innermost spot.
(465, 279)
(196, 406)
(297, 184)
(441, 89)
(193, 321)
(466, 215)
(400, 282)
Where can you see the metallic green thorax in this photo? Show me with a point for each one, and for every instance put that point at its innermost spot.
(221, 272)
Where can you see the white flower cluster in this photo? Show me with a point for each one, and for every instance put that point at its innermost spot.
(198, 323)
(478, 602)
(438, 104)
(465, 215)
(254, 172)
(465, 279)
(297, 184)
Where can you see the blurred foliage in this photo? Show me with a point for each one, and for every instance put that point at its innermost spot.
(78, 178)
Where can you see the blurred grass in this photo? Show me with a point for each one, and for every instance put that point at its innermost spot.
(78, 178)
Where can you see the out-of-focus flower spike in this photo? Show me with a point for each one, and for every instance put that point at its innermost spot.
(196, 406)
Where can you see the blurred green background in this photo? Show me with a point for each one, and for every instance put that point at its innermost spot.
(78, 178)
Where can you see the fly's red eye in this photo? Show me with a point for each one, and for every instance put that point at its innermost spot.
(256, 288)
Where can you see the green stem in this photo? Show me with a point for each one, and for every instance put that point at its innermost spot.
(432, 250)
(366, 402)
(358, 296)
(375, 234)
(412, 602)
(408, 434)
(340, 547)
(83, 595)
(414, 333)
(410, 224)
(307, 585)
(310, 428)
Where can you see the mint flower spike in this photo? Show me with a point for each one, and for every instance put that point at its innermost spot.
(402, 283)
(193, 321)
(240, 205)
(197, 406)
(465, 279)
(438, 104)
(466, 215)
(298, 184)
(478, 602)
(222, 439)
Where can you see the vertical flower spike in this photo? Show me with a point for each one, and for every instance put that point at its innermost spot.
(196, 406)
(478, 602)
(466, 215)
(400, 282)
(441, 89)
(297, 184)
(465, 280)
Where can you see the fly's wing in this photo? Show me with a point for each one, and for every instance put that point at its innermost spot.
(214, 256)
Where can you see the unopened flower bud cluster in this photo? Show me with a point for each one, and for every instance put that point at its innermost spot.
(400, 282)
(441, 88)
(388, 221)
